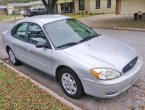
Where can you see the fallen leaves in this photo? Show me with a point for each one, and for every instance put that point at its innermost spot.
(19, 93)
(132, 108)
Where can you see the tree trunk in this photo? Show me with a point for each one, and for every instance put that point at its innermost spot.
(51, 10)
(49, 6)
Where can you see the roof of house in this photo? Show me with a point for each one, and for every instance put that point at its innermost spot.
(24, 4)
(2, 7)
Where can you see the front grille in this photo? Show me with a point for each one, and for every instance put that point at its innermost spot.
(130, 65)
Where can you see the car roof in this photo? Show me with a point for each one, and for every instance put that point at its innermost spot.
(44, 19)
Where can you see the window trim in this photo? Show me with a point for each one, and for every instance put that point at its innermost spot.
(14, 29)
(109, 3)
(98, 6)
(47, 40)
(26, 34)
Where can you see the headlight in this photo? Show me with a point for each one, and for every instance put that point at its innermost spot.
(105, 74)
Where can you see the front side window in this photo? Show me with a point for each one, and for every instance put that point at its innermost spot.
(97, 4)
(20, 31)
(35, 34)
(108, 3)
(67, 31)
(81, 5)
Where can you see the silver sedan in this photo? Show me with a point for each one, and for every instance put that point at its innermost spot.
(79, 58)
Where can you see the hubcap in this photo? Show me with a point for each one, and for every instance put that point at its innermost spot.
(69, 84)
(12, 56)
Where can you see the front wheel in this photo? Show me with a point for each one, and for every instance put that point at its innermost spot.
(13, 58)
(70, 83)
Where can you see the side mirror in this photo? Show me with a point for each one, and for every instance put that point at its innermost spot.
(42, 45)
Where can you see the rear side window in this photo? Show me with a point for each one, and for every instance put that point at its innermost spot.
(20, 31)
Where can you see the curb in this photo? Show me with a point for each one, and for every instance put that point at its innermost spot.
(43, 87)
(131, 29)
(123, 28)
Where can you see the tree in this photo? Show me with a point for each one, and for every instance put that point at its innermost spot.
(49, 5)
(5, 2)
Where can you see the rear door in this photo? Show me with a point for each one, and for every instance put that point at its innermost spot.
(18, 43)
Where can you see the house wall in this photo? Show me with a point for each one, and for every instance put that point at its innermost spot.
(132, 6)
(90, 6)
(59, 8)
(76, 6)
(87, 5)
(103, 7)
(10, 9)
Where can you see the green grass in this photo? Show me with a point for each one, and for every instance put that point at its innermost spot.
(77, 16)
(18, 93)
(8, 17)
(132, 23)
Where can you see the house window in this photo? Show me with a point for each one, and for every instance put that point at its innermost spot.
(81, 5)
(97, 4)
(108, 3)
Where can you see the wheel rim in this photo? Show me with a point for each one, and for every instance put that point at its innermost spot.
(12, 56)
(69, 84)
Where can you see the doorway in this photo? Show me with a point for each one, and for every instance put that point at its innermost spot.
(118, 7)
(67, 7)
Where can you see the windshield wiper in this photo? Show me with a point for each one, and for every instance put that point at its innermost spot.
(68, 44)
(88, 38)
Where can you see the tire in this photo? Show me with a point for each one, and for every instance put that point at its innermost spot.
(13, 58)
(70, 83)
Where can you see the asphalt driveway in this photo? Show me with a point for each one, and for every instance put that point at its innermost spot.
(134, 98)
(105, 20)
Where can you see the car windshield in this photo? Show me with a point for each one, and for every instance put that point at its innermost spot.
(68, 32)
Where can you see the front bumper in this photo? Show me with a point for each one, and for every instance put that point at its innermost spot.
(112, 88)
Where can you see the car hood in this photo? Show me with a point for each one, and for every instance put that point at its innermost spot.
(103, 51)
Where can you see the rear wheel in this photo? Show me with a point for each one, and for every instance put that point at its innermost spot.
(13, 58)
(70, 83)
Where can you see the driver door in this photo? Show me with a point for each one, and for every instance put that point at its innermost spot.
(40, 58)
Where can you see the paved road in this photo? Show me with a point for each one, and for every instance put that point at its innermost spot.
(133, 98)
(4, 26)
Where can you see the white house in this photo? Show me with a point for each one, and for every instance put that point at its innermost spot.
(69, 6)
(3, 10)
(16, 8)
(90, 6)
(129, 6)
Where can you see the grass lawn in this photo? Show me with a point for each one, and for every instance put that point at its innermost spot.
(76, 16)
(8, 17)
(18, 93)
(132, 23)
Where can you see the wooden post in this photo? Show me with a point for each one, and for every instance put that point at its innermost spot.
(82, 13)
